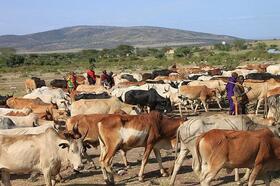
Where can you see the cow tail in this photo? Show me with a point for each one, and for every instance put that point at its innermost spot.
(176, 145)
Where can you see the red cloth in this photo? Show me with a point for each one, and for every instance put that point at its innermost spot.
(91, 74)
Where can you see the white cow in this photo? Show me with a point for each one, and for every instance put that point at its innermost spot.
(26, 130)
(25, 121)
(50, 95)
(273, 69)
(42, 152)
(101, 106)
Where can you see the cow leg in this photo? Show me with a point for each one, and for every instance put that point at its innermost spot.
(236, 175)
(196, 106)
(180, 110)
(47, 177)
(218, 102)
(159, 160)
(123, 154)
(106, 156)
(258, 105)
(146, 155)
(178, 162)
(266, 179)
(6, 178)
(204, 105)
(245, 177)
(254, 174)
(208, 173)
(33, 177)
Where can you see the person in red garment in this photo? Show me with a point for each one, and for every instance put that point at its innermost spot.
(91, 76)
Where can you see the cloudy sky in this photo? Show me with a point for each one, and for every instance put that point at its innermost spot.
(250, 19)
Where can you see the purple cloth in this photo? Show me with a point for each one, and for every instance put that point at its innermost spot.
(230, 92)
(230, 86)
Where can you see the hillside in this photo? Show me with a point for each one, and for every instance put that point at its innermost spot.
(84, 37)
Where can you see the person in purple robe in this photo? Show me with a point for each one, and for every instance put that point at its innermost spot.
(230, 91)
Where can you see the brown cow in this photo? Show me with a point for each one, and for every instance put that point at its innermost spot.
(89, 122)
(125, 132)
(230, 149)
(36, 105)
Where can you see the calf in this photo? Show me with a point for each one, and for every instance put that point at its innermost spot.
(125, 132)
(148, 98)
(230, 149)
(38, 152)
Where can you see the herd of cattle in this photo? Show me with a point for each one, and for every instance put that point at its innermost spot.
(48, 127)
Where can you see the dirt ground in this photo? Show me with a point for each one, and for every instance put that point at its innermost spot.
(15, 83)
(151, 177)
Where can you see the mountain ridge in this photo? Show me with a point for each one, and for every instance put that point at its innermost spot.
(88, 37)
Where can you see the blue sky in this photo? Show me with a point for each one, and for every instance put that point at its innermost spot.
(252, 19)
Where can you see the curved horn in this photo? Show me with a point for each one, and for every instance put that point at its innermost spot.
(75, 129)
(83, 137)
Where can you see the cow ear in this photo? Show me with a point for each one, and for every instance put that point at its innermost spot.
(63, 145)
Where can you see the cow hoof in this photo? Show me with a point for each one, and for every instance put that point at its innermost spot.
(141, 179)
(109, 182)
(164, 174)
(128, 167)
(121, 172)
(239, 183)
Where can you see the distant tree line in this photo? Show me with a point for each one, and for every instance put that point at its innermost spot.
(128, 55)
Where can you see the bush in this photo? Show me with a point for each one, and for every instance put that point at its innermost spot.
(15, 60)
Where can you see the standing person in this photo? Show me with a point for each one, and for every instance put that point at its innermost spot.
(240, 94)
(111, 80)
(229, 88)
(91, 76)
(104, 79)
(71, 82)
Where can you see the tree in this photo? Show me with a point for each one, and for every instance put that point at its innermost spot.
(124, 50)
(240, 45)
(183, 52)
(14, 60)
(223, 47)
(261, 46)
(273, 46)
